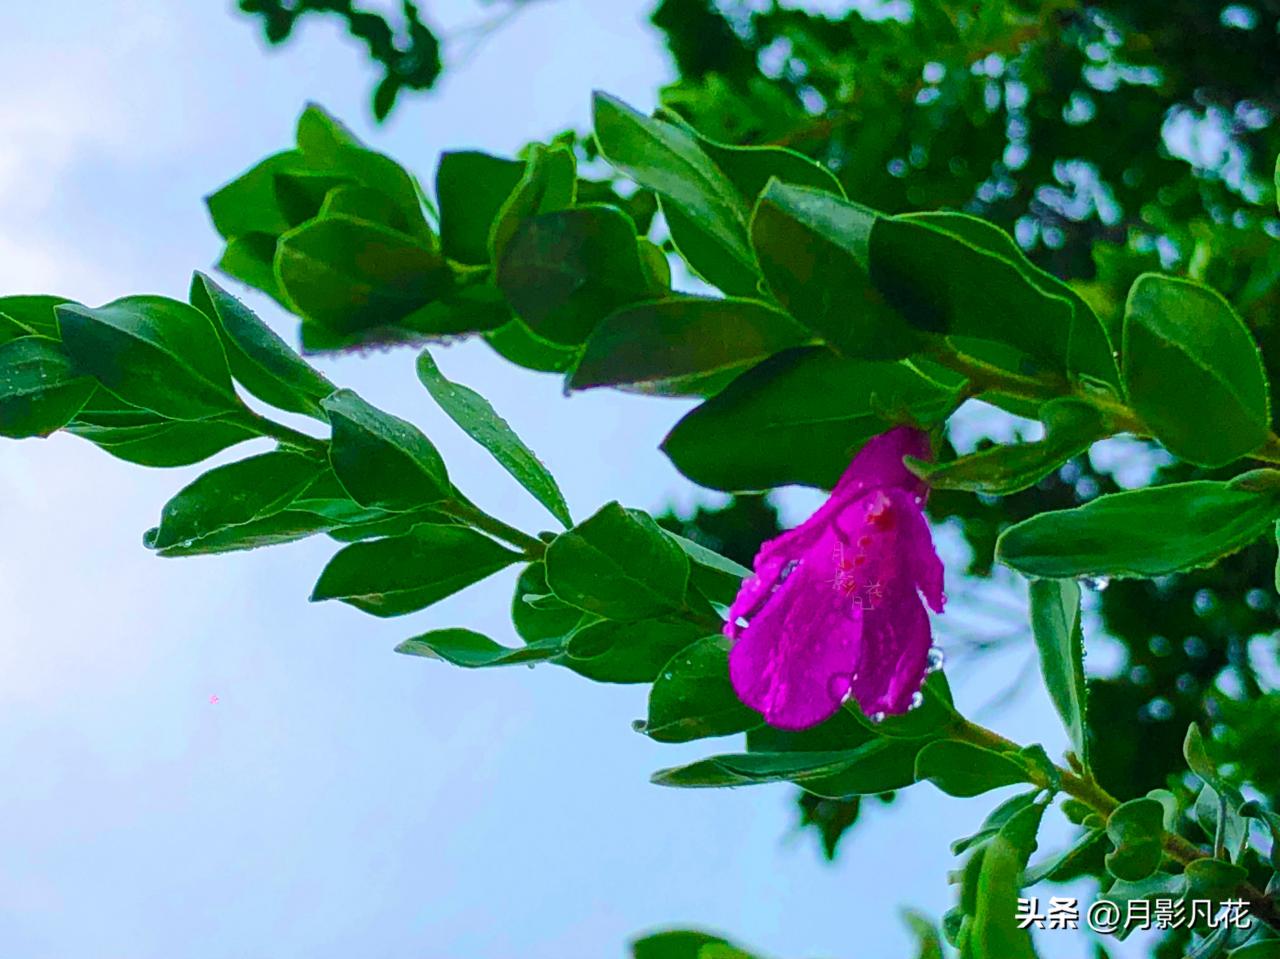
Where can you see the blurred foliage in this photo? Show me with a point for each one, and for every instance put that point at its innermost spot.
(409, 57)
(409, 52)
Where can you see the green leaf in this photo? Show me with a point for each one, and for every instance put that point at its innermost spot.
(563, 272)
(994, 821)
(880, 766)
(331, 148)
(1055, 623)
(152, 352)
(259, 359)
(1277, 574)
(931, 719)
(963, 769)
(468, 649)
(147, 439)
(813, 249)
(750, 168)
(1071, 427)
(1160, 885)
(1090, 353)
(514, 341)
(231, 496)
(875, 767)
(478, 419)
(549, 183)
(842, 731)
(1264, 949)
(251, 260)
(1136, 828)
(1254, 810)
(675, 944)
(250, 204)
(327, 497)
(1214, 879)
(610, 652)
(350, 277)
(995, 933)
(706, 256)
(40, 392)
(381, 460)
(1072, 862)
(544, 621)
(10, 329)
(1193, 371)
(664, 340)
(302, 194)
(943, 284)
(471, 188)
(667, 159)
(363, 203)
(25, 315)
(1146, 532)
(692, 697)
(799, 417)
(402, 574)
(287, 526)
(618, 564)
(928, 941)
(1197, 756)
(717, 577)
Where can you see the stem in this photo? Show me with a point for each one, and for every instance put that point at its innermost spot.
(1086, 789)
(463, 509)
(285, 435)
(459, 507)
(984, 378)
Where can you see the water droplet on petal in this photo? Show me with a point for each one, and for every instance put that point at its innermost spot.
(917, 700)
(877, 717)
(838, 688)
(935, 661)
(1095, 583)
(787, 570)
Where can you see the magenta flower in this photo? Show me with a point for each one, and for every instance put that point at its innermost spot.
(834, 607)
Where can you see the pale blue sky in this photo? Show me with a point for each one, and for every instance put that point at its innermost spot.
(341, 800)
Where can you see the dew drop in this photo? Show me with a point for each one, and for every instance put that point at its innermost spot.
(787, 570)
(935, 661)
(877, 718)
(1095, 583)
(917, 700)
(838, 688)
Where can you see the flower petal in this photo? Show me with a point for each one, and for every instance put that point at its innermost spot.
(893, 556)
(835, 604)
(894, 654)
(793, 662)
(879, 464)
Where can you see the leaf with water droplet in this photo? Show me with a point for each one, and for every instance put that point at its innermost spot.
(693, 697)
